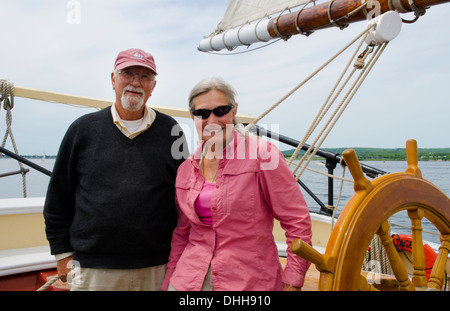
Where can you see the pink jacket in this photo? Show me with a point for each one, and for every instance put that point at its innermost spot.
(251, 190)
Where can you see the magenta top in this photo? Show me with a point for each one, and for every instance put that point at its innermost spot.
(203, 203)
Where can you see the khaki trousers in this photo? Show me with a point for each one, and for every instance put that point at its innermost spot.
(207, 283)
(146, 279)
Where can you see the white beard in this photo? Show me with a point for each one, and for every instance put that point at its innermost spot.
(132, 103)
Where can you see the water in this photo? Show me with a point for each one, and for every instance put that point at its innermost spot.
(436, 172)
(37, 182)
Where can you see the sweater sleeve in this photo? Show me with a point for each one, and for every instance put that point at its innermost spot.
(282, 193)
(59, 205)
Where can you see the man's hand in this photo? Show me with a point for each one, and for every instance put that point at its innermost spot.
(64, 267)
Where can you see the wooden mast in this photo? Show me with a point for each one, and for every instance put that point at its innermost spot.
(334, 13)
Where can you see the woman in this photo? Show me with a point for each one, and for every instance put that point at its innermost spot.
(228, 193)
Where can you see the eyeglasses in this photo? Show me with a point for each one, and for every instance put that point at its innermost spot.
(128, 77)
(219, 111)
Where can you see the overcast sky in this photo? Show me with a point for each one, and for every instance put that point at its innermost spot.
(405, 96)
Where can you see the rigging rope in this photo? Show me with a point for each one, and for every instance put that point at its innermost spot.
(329, 175)
(49, 283)
(296, 88)
(324, 109)
(341, 107)
(7, 96)
(341, 189)
(359, 64)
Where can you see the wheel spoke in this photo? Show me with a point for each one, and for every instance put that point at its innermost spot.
(437, 274)
(397, 265)
(419, 279)
(364, 285)
(366, 213)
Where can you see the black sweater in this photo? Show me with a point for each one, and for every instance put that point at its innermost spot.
(110, 198)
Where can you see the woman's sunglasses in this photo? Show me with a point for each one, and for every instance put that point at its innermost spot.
(218, 112)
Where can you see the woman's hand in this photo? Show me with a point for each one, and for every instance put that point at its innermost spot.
(290, 288)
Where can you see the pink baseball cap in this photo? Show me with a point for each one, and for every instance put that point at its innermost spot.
(135, 57)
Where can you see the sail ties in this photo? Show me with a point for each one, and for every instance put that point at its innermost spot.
(417, 12)
(333, 22)
(7, 96)
(297, 26)
(275, 27)
(397, 5)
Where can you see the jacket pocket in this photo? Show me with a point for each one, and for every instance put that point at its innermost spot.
(182, 183)
(241, 189)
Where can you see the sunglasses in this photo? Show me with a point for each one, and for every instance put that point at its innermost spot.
(218, 112)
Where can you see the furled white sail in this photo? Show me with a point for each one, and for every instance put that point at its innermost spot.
(236, 27)
(240, 12)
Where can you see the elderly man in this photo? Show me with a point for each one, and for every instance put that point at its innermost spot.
(110, 207)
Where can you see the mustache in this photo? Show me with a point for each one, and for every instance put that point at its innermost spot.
(132, 89)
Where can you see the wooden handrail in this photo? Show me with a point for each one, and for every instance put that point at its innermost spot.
(98, 103)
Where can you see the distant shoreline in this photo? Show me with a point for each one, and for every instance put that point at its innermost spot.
(386, 154)
(3, 156)
(364, 154)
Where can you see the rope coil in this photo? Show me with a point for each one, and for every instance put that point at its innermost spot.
(7, 93)
(7, 96)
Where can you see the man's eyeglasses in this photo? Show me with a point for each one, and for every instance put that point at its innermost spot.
(128, 77)
(218, 112)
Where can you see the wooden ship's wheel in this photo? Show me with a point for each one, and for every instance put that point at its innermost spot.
(366, 215)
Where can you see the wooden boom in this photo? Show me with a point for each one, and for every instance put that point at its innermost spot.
(337, 13)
